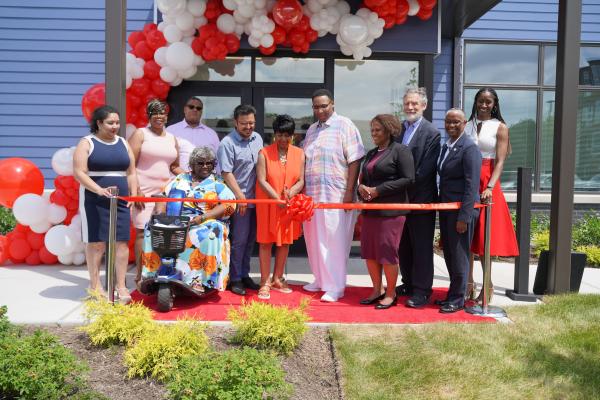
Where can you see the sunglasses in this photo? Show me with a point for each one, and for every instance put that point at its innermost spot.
(204, 163)
(320, 106)
(191, 107)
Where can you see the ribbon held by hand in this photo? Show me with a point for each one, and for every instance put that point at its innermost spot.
(301, 207)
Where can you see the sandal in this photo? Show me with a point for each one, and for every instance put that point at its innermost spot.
(264, 293)
(97, 294)
(123, 295)
(281, 285)
(470, 294)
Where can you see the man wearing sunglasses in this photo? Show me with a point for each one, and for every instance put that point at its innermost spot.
(191, 132)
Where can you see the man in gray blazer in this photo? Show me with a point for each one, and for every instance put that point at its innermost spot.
(459, 167)
(416, 246)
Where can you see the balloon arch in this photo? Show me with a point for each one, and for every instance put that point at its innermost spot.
(192, 32)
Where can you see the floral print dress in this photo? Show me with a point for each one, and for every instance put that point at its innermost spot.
(206, 257)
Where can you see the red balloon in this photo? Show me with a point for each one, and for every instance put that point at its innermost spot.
(296, 38)
(14, 235)
(72, 205)
(33, 258)
(287, 13)
(17, 177)
(267, 51)
(70, 215)
(151, 70)
(427, 3)
(46, 257)
(21, 229)
(160, 88)
(92, 99)
(155, 39)
(3, 249)
(278, 34)
(134, 38)
(59, 197)
(232, 42)
(142, 50)
(71, 192)
(18, 249)
(35, 240)
(424, 14)
(139, 87)
(149, 27)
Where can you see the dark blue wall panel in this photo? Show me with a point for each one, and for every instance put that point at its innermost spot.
(442, 83)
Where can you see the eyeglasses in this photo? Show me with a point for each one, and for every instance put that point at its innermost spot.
(320, 106)
(191, 107)
(204, 163)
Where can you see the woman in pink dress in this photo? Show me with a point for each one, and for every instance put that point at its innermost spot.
(156, 158)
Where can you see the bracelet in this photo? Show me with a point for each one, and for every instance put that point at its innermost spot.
(489, 187)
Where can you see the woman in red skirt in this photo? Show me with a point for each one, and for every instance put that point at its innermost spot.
(487, 128)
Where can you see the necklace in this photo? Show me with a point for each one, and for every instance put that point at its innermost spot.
(283, 158)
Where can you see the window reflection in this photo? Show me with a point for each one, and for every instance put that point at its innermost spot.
(589, 66)
(366, 88)
(519, 109)
(228, 70)
(287, 69)
(218, 113)
(549, 65)
(300, 109)
(487, 63)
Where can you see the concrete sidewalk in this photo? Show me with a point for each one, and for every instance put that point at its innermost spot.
(54, 294)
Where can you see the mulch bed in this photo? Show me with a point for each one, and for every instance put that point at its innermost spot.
(311, 368)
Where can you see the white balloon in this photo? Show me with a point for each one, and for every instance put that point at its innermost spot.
(413, 7)
(79, 247)
(188, 73)
(172, 7)
(198, 60)
(62, 161)
(56, 213)
(200, 21)
(246, 10)
(267, 40)
(180, 56)
(128, 81)
(160, 56)
(30, 209)
(253, 41)
(76, 222)
(66, 259)
(353, 30)
(79, 258)
(177, 82)
(226, 23)
(172, 33)
(42, 227)
(184, 21)
(58, 241)
(230, 5)
(196, 7)
(188, 32)
(168, 74)
(161, 26)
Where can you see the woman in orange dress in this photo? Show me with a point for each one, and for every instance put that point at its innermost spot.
(280, 175)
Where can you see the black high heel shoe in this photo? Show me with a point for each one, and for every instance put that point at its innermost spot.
(368, 302)
(386, 306)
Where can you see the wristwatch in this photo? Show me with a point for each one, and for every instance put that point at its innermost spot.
(489, 187)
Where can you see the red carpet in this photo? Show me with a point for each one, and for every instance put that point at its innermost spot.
(347, 310)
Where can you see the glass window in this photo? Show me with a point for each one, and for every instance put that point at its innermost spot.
(549, 65)
(589, 66)
(587, 167)
(287, 69)
(218, 113)
(298, 108)
(232, 69)
(487, 63)
(366, 88)
(519, 109)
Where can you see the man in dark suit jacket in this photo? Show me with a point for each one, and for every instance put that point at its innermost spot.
(416, 245)
(459, 167)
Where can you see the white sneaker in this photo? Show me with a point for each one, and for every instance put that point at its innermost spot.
(332, 297)
(312, 287)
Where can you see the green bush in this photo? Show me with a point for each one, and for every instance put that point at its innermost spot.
(235, 374)
(116, 323)
(6, 328)
(539, 222)
(540, 242)
(265, 326)
(586, 231)
(592, 253)
(38, 367)
(7, 220)
(156, 353)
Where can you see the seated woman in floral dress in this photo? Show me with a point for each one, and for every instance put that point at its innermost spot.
(205, 261)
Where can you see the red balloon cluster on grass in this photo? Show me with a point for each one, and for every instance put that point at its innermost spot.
(66, 194)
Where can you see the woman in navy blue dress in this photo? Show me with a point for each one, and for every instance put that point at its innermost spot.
(102, 160)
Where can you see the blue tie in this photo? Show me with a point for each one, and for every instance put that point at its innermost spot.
(442, 155)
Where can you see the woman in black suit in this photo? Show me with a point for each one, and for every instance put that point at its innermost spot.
(387, 172)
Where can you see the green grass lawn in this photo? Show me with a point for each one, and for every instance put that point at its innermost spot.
(551, 351)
